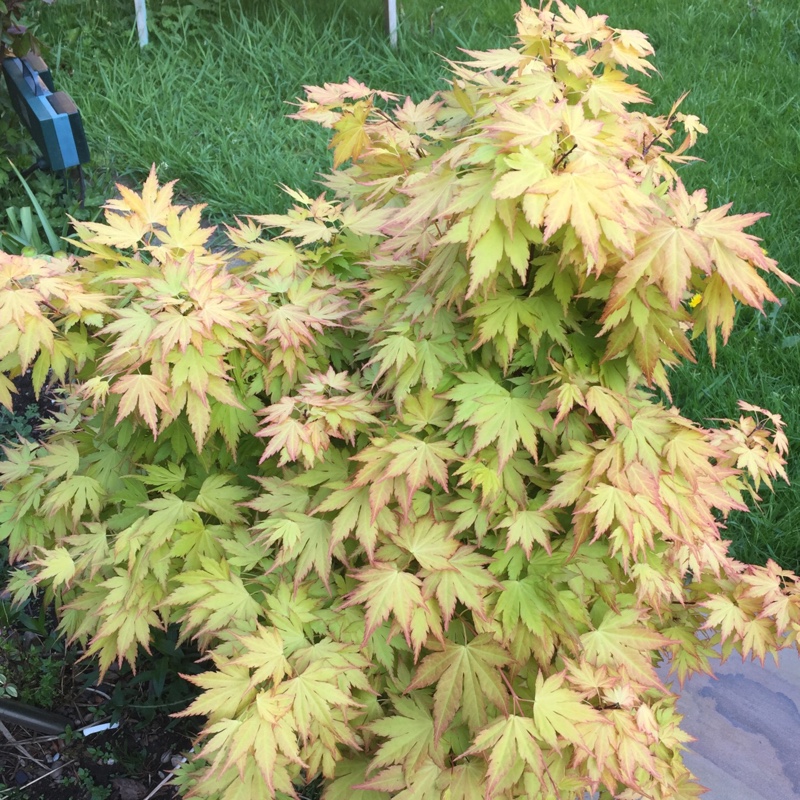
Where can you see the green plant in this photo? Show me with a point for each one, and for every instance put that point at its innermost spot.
(402, 471)
(15, 425)
(16, 29)
(34, 672)
(84, 782)
(7, 689)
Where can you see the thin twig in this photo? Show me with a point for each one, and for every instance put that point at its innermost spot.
(564, 156)
(20, 747)
(33, 740)
(160, 786)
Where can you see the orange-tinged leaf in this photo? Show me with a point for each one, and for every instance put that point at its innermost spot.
(580, 198)
(152, 206)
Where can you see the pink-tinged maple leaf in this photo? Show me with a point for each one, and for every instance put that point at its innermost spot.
(143, 393)
(580, 198)
(386, 590)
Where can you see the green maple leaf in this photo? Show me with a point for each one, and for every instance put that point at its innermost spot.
(351, 772)
(464, 578)
(466, 677)
(409, 734)
(313, 696)
(226, 690)
(528, 527)
(219, 497)
(511, 741)
(621, 640)
(62, 460)
(498, 415)
(78, 491)
(57, 566)
(557, 709)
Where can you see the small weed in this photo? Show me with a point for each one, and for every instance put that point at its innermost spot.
(13, 426)
(83, 780)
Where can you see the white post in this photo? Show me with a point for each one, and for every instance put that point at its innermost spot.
(141, 21)
(391, 21)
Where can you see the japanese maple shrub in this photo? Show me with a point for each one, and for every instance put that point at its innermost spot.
(403, 470)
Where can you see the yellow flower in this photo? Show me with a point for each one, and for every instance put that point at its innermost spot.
(696, 300)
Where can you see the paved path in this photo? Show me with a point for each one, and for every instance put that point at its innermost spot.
(747, 725)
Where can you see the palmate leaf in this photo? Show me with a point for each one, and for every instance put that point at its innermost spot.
(464, 578)
(143, 393)
(557, 710)
(386, 590)
(620, 640)
(409, 734)
(415, 460)
(466, 677)
(498, 415)
(151, 206)
(350, 773)
(264, 654)
(582, 197)
(528, 527)
(510, 745)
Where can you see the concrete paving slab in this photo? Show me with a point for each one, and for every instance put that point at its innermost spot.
(747, 725)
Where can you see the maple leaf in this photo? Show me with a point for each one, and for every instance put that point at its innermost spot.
(351, 137)
(355, 517)
(529, 526)
(581, 197)
(557, 710)
(57, 566)
(386, 590)
(264, 654)
(666, 255)
(183, 232)
(225, 691)
(144, 393)
(725, 615)
(497, 414)
(78, 492)
(62, 459)
(465, 676)
(415, 460)
(409, 734)
(512, 742)
(314, 694)
(464, 578)
(213, 599)
(620, 640)
(152, 206)
(349, 782)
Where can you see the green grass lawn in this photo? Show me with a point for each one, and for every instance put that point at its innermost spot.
(207, 100)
